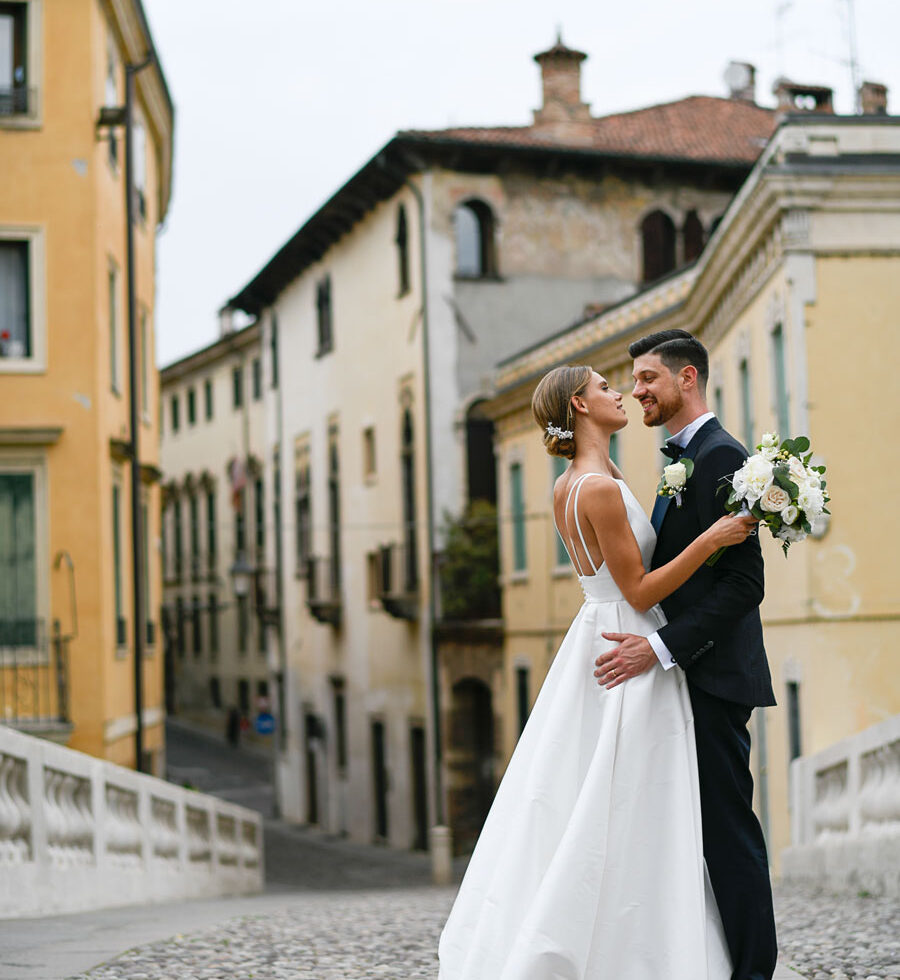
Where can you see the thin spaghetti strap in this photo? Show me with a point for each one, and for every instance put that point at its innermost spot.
(581, 480)
(573, 551)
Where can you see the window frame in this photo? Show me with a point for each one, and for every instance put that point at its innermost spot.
(36, 361)
(32, 118)
(324, 316)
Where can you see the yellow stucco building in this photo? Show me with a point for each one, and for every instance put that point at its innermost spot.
(66, 616)
(796, 297)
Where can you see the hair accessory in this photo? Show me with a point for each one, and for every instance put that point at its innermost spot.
(555, 430)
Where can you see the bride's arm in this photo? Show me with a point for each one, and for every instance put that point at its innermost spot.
(605, 510)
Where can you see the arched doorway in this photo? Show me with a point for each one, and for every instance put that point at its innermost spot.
(470, 761)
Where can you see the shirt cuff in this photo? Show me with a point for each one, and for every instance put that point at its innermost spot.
(663, 654)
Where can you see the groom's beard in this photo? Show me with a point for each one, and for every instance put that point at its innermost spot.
(662, 407)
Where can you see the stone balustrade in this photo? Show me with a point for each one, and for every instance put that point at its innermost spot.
(845, 819)
(79, 833)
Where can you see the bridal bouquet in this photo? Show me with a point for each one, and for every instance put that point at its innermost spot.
(778, 486)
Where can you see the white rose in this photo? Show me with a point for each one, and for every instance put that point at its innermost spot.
(790, 534)
(775, 499)
(798, 471)
(811, 500)
(790, 514)
(768, 445)
(813, 479)
(753, 479)
(675, 475)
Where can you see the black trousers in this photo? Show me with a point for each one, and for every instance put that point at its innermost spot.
(733, 842)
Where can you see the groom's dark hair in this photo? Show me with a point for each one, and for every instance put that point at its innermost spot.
(676, 349)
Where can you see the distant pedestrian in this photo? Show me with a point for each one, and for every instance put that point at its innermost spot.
(233, 726)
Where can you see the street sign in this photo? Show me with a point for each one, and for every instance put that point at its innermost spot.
(265, 723)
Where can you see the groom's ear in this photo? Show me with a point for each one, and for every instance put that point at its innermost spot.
(687, 377)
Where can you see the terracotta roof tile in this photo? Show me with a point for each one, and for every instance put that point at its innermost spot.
(700, 128)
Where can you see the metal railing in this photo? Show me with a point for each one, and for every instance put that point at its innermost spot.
(18, 101)
(398, 585)
(323, 596)
(33, 675)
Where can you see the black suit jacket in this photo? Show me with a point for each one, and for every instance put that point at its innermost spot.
(714, 630)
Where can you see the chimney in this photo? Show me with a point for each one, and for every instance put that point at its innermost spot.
(226, 321)
(873, 99)
(795, 99)
(563, 113)
(740, 77)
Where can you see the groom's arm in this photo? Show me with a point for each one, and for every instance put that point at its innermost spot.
(738, 583)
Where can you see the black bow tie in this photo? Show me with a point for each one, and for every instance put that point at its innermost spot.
(672, 450)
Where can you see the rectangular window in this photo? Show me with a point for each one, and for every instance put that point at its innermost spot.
(237, 386)
(149, 632)
(215, 692)
(175, 413)
(208, 398)
(196, 626)
(240, 524)
(177, 543)
(15, 313)
(256, 369)
(18, 560)
(562, 556)
(522, 696)
(273, 347)
(112, 282)
(212, 542)
(795, 746)
(517, 506)
(117, 563)
(140, 167)
(747, 404)
(369, 451)
(259, 519)
(191, 406)
(179, 625)
(324, 316)
(340, 723)
(782, 404)
(111, 94)
(194, 532)
(14, 67)
(243, 623)
(213, 625)
(145, 364)
(244, 696)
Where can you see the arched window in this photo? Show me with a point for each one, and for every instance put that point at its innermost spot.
(658, 237)
(474, 227)
(402, 241)
(692, 236)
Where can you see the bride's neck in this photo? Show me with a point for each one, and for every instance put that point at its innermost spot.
(592, 451)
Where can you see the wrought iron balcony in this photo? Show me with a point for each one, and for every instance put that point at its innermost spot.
(18, 101)
(33, 677)
(323, 595)
(398, 585)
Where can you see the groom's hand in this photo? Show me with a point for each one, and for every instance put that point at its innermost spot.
(631, 657)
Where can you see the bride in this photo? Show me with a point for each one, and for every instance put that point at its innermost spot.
(590, 863)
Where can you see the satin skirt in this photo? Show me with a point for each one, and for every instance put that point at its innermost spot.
(590, 863)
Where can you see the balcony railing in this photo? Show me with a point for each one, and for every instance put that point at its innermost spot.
(398, 585)
(33, 676)
(18, 101)
(323, 596)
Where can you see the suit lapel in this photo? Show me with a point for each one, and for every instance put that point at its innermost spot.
(661, 505)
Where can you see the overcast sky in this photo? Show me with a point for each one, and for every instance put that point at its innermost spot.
(279, 102)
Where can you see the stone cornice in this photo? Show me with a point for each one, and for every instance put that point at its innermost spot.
(30, 435)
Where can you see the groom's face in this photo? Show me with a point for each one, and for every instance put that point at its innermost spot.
(656, 388)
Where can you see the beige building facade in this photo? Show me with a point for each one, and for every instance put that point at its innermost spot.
(795, 297)
(67, 615)
(215, 519)
(445, 253)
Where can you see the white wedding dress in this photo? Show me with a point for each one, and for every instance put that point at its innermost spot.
(590, 863)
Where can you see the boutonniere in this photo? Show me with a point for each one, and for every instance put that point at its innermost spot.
(674, 479)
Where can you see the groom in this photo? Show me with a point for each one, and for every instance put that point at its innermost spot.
(714, 635)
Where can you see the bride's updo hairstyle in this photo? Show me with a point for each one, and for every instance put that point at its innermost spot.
(551, 406)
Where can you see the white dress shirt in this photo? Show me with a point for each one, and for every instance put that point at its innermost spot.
(682, 439)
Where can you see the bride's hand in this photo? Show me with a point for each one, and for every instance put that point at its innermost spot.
(731, 529)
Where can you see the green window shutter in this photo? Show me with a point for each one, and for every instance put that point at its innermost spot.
(781, 390)
(614, 448)
(18, 569)
(747, 405)
(562, 556)
(517, 495)
(117, 553)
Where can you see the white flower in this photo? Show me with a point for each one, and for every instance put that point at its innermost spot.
(775, 499)
(790, 534)
(813, 479)
(798, 471)
(811, 500)
(790, 514)
(768, 445)
(675, 475)
(753, 479)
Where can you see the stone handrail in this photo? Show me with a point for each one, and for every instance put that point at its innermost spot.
(79, 833)
(845, 813)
